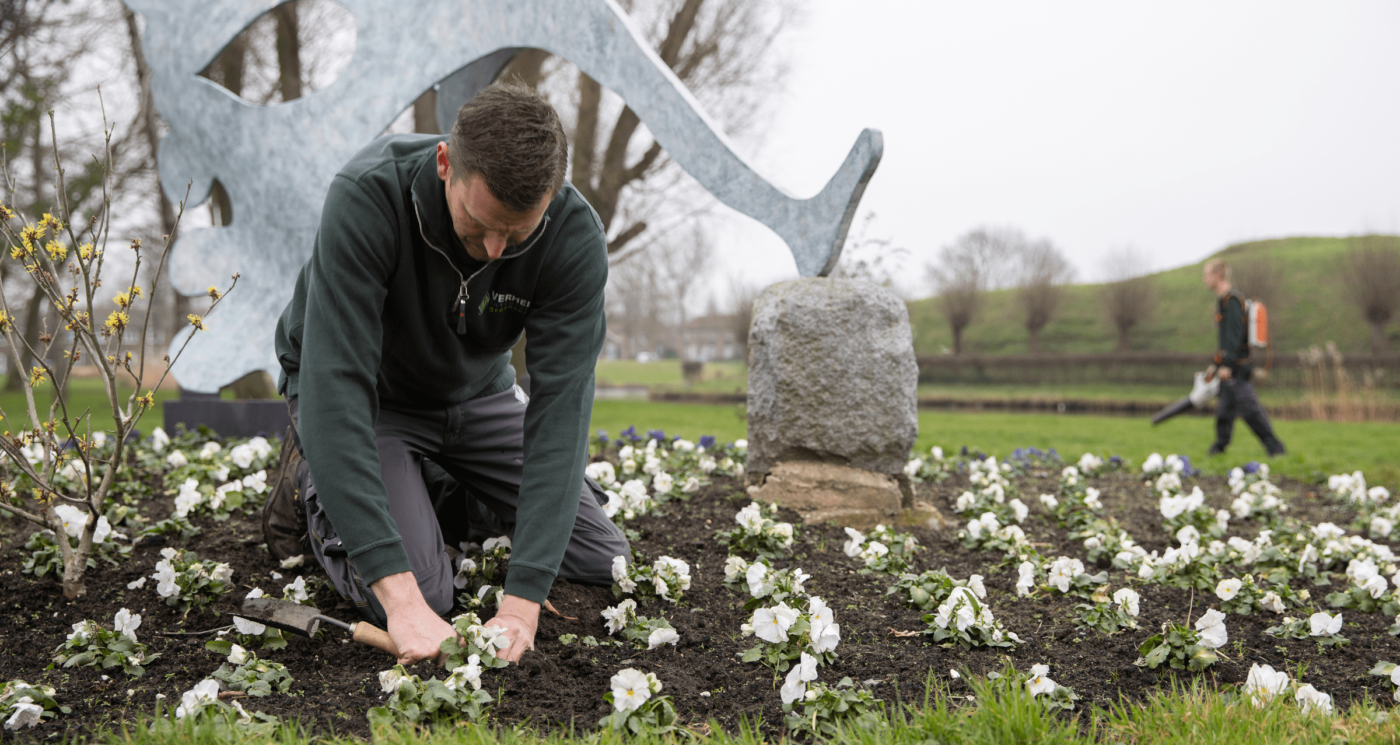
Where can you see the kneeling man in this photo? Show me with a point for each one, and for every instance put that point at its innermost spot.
(434, 254)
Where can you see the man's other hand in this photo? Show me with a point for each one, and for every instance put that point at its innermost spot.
(519, 617)
(417, 631)
(1224, 373)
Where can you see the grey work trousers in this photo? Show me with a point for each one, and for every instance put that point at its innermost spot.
(479, 444)
(1237, 398)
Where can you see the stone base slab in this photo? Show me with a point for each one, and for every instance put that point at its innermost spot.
(849, 497)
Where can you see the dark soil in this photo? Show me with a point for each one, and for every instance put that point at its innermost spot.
(558, 684)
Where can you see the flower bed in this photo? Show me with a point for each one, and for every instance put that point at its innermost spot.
(1111, 524)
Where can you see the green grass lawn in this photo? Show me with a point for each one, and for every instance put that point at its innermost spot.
(83, 395)
(1315, 448)
(716, 377)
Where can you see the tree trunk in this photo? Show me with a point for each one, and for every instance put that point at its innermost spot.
(147, 121)
(425, 113)
(1035, 340)
(957, 339)
(74, 575)
(1124, 344)
(1378, 344)
(288, 51)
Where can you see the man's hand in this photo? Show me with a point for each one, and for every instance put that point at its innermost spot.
(1224, 373)
(519, 617)
(417, 631)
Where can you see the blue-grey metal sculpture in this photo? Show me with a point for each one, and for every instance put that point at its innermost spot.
(276, 162)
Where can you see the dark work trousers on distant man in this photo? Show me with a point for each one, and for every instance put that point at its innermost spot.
(1237, 398)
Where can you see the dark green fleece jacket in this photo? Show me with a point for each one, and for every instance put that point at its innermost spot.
(1233, 329)
(391, 312)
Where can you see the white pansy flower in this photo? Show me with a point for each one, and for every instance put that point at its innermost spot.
(159, 439)
(241, 455)
(1188, 534)
(616, 617)
(1313, 700)
(1227, 589)
(1049, 501)
(772, 624)
(255, 482)
(662, 636)
(1038, 682)
(619, 573)
(1026, 582)
(191, 701)
(1272, 601)
(390, 680)
(1324, 624)
(139, 583)
(795, 687)
(297, 591)
(734, 567)
(978, 588)
(1019, 510)
(126, 623)
(1128, 600)
(853, 545)
(662, 482)
(237, 655)
(750, 518)
(177, 459)
(630, 688)
(1263, 683)
(1212, 628)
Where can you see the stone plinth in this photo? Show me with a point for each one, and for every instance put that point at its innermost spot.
(832, 377)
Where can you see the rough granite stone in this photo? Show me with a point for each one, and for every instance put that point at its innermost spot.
(832, 377)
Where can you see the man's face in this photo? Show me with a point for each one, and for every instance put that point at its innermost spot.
(486, 228)
(1211, 279)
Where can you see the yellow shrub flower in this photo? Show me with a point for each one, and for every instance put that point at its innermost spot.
(214, 292)
(7, 321)
(57, 251)
(147, 401)
(197, 322)
(36, 376)
(117, 321)
(85, 251)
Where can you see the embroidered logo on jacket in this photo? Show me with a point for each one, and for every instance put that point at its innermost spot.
(501, 302)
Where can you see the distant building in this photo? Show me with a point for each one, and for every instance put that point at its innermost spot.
(711, 338)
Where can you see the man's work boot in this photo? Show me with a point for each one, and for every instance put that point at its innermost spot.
(1216, 449)
(284, 513)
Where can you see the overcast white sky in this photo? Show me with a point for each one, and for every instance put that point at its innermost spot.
(1173, 127)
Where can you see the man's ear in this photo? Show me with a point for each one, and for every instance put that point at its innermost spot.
(444, 166)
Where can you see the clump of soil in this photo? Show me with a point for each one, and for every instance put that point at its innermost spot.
(562, 685)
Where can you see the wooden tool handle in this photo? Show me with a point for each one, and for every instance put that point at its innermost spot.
(373, 636)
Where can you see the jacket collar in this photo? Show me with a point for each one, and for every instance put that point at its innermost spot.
(430, 198)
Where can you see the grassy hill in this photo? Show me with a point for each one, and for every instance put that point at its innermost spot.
(1312, 308)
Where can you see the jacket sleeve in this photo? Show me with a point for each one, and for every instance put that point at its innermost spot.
(564, 335)
(350, 267)
(1232, 332)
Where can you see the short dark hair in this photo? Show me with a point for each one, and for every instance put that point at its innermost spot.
(512, 137)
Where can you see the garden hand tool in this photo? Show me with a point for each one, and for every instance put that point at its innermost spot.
(306, 619)
(1206, 387)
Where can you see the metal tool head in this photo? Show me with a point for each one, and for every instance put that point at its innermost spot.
(283, 614)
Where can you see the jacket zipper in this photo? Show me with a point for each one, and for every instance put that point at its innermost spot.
(462, 296)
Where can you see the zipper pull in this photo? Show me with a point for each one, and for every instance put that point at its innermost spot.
(462, 310)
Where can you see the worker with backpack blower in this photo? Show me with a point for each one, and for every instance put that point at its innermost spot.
(1233, 366)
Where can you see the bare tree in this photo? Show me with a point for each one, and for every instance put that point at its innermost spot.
(741, 298)
(1372, 273)
(683, 267)
(1128, 297)
(635, 304)
(724, 53)
(978, 260)
(1044, 271)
